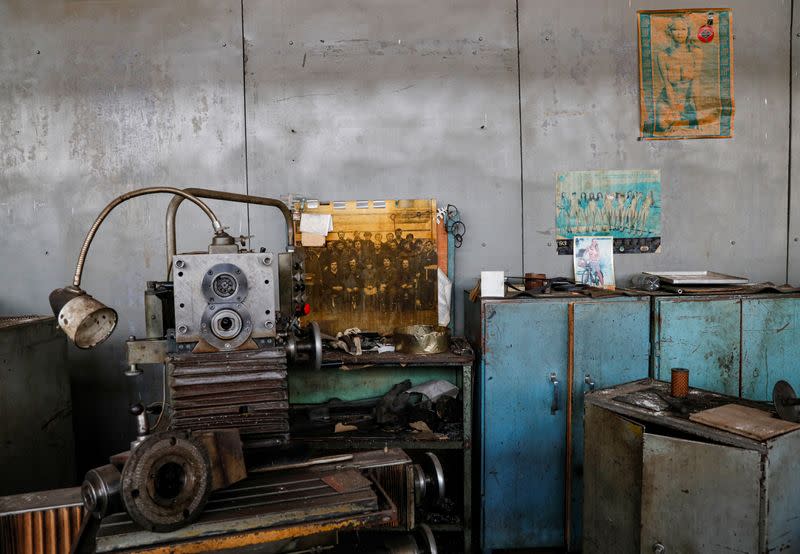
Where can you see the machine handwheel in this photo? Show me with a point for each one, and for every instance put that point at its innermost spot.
(166, 481)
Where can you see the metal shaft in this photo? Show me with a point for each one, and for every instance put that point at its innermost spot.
(172, 211)
(87, 242)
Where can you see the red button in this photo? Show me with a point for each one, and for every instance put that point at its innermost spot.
(705, 33)
(307, 309)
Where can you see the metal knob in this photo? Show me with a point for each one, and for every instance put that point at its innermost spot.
(659, 548)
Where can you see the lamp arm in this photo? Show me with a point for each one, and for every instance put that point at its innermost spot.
(87, 242)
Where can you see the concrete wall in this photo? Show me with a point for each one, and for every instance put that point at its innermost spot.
(354, 99)
(97, 98)
(724, 201)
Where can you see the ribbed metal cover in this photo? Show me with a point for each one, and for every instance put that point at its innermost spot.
(246, 390)
(40, 532)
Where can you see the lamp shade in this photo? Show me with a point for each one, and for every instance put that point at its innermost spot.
(86, 321)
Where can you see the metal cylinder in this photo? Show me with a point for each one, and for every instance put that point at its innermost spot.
(86, 321)
(680, 382)
(534, 280)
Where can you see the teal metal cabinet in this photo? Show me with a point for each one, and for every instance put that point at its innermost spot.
(770, 345)
(530, 350)
(736, 345)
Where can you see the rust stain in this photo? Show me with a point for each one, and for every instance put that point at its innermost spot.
(240, 540)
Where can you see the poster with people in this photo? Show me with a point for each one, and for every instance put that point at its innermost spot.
(622, 204)
(378, 268)
(593, 261)
(686, 73)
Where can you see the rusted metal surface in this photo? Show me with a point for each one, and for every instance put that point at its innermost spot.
(614, 446)
(704, 335)
(346, 481)
(166, 481)
(15, 320)
(40, 523)
(224, 447)
(254, 538)
(781, 505)
(646, 401)
(700, 497)
(150, 351)
(246, 390)
(698, 483)
(274, 501)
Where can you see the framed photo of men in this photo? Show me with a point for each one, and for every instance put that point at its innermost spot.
(378, 268)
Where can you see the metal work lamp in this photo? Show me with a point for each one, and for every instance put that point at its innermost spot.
(87, 321)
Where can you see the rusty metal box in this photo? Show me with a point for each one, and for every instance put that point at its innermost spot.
(657, 481)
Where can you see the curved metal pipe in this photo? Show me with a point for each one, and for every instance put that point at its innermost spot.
(172, 211)
(87, 242)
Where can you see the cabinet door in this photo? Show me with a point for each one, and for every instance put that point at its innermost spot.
(703, 336)
(523, 444)
(611, 346)
(770, 345)
(699, 497)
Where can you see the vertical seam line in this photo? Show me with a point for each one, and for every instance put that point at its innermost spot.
(521, 166)
(244, 125)
(791, 114)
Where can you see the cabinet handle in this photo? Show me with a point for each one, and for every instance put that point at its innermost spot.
(554, 404)
(589, 381)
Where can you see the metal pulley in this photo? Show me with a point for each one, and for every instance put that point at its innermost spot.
(421, 542)
(428, 480)
(305, 351)
(786, 402)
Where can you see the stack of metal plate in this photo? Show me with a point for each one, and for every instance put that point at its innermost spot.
(246, 390)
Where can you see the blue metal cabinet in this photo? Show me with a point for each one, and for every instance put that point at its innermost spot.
(737, 345)
(526, 347)
(701, 334)
(611, 346)
(770, 345)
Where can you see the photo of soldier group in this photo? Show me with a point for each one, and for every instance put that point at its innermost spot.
(375, 281)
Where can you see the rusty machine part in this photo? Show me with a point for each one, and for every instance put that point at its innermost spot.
(786, 402)
(245, 390)
(428, 480)
(421, 339)
(680, 382)
(166, 481)
(100, 490)
(421, 541)
(45, 522)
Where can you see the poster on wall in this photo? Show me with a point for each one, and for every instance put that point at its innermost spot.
(686, 73)
(622, 204)
(594, 261)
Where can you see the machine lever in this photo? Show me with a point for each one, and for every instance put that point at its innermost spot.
(554, 405)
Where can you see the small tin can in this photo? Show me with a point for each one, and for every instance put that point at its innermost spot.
(680, 382)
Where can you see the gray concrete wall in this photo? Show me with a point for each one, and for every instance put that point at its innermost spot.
(724, 200)
(354, 99)
(97, 98)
